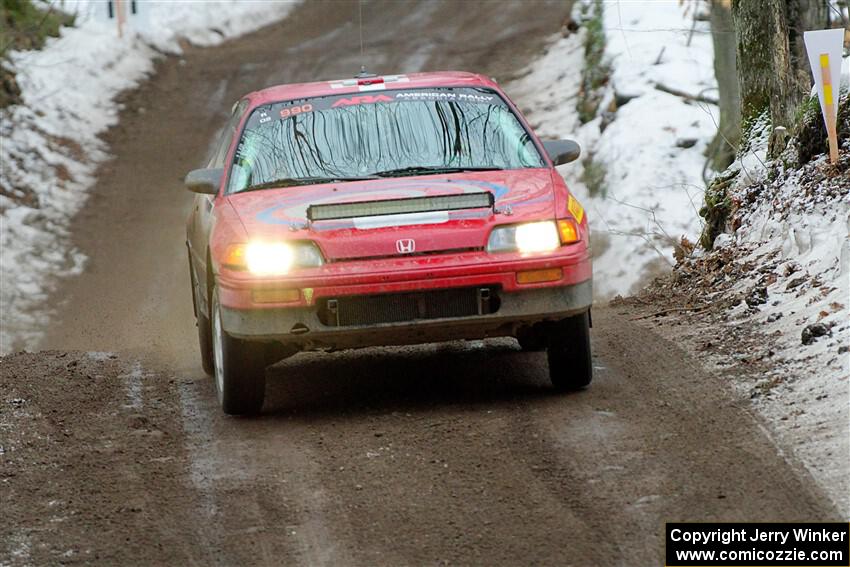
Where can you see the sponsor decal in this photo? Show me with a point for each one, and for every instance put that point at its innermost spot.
(287, 109)
(295, 110)
(364, 99)
(443, 95)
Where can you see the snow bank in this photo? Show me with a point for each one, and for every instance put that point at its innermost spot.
(653, 183)
(795, 225)
(784, 266)
(806, 228)
(50, 144)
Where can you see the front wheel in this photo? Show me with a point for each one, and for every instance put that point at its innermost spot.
(240, 368)
(570, 362)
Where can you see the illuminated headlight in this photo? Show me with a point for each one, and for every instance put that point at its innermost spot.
(273, 258)
(267, 258)
(525, 238)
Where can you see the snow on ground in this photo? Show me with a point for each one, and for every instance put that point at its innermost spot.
(50, 146)
(653, 187)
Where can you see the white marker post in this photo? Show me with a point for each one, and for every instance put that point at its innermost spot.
(119, 16)
(824, 50)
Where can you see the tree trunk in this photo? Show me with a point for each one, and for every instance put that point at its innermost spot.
(804, 15)
(721, 152)
(765, 75)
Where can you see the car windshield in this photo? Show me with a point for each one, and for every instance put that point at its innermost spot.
(388, 133)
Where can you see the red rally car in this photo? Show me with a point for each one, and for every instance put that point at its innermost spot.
(384, 211)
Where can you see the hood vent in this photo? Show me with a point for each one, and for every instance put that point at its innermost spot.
(412, 205)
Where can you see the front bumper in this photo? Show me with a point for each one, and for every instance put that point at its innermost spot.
(302, 327)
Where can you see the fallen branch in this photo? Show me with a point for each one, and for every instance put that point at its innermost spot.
(672, 310)
(687, 96)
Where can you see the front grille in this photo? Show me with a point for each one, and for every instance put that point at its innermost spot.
(401, 307)
(396, 256)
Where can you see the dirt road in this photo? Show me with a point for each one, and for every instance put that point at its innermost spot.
(447, 454)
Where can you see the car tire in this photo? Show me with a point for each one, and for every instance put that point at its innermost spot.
(204, 330)
(570, 361)
(531, 339)
(239, 368)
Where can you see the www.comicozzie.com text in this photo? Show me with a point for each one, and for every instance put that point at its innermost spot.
(756, 534)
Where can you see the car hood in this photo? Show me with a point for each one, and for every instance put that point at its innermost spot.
(518, 195)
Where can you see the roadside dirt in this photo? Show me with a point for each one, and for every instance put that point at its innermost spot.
(447, 454)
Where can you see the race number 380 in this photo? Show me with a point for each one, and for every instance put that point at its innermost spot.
(296, 110)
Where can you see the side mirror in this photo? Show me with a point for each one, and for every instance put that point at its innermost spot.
(204, 181)
(562, 151)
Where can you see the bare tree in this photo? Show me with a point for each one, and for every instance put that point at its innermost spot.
(768, 83)
(804, 15)
(773, 68)
(721, 152)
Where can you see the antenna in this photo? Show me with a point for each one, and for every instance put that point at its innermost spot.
(363, 74)
(362, 60)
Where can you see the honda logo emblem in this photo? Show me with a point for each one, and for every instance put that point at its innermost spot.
(405, 245)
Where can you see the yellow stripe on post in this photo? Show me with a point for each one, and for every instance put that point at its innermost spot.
(829, 107)
(826, 78)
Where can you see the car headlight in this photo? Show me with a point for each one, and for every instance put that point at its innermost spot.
(526, 238)
(272, 258)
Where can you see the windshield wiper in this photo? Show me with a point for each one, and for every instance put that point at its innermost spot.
(426, 169)
(292, 181)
